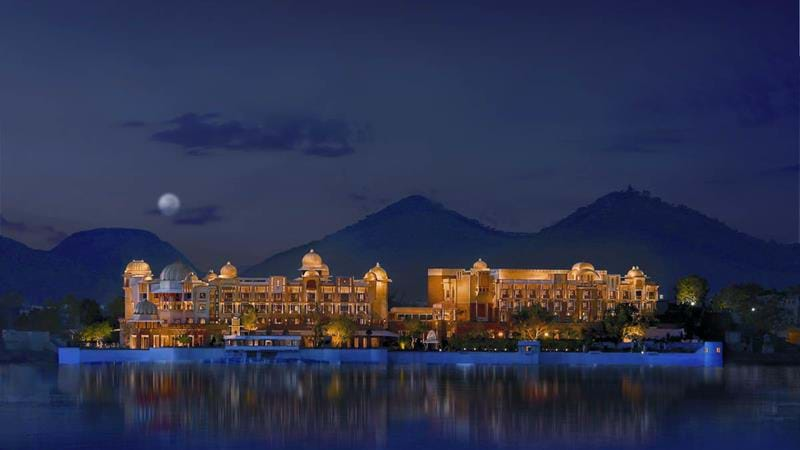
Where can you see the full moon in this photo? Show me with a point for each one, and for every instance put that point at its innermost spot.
(169, 204)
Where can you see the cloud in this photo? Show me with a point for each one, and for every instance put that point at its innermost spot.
(133, 124)
(199, 215)
(49, 233)
(326, 138)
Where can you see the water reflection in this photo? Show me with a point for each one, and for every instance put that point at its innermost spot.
(370, 406)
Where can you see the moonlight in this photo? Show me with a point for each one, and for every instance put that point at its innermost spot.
(169, 204)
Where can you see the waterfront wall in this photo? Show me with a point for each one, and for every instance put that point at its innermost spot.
(709, 355)
(499, 358)
(74, 355)
(336, 356)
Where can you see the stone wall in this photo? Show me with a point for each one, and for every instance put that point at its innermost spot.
(709, 355)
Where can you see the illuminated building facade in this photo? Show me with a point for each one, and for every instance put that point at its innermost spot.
(179, 303)
(483, 294)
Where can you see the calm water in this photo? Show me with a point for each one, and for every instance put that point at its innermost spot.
(310, 406)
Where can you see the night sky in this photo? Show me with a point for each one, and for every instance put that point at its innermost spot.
(279, 123)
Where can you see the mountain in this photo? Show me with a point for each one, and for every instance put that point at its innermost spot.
(86, 264)
(406, 237)
(616, 231)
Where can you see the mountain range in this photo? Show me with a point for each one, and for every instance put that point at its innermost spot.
(614, 232)
(87, 264)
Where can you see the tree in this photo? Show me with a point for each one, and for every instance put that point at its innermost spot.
(415, 328)
(10, 304)
(70, 307)
(614, 324)
(691, 290)
(115, 309)
(249, 319)
(758, 311)
(634, 332)
(89, 312)
(340, 330)
(184, 340)
(532, 322)
(737, 298)
(44, 319)
(318, 322)
(96, 333)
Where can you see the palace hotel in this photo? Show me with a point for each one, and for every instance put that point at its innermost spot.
(179, 307)
(179, 304)
(484, 294)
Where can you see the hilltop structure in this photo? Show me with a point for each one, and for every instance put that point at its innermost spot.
(484, 294)
(178, 307)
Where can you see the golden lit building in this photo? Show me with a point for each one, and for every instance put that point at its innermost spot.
(187, 305)
(484, 294)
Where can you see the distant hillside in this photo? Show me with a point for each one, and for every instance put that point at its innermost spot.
(614, 232)
(406, 237)
(87, 264)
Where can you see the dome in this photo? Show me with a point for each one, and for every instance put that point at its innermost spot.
(228, 271)
(176, 271)
(145, 310)
(370, 276)
(310, 273)
(311, 261)
(379, 272)
(324, 270)
(137, 267)
(582, 266)
(480, 265)
(211, 275)
(634, 272)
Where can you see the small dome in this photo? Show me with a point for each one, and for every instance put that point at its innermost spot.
(176, 271)
(228, 271)
(311, 261)
(379, 272)
(370, 276)
(635, 272)
(582, 266)
(324, 270)
(137, 267)
(145, 310)
(480, 265)
(211, 275)
(310, 273)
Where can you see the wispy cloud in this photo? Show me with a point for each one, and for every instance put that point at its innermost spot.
(199, 215)
(49, 233)
(199, 133)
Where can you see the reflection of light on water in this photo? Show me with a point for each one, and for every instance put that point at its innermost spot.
(362, 406)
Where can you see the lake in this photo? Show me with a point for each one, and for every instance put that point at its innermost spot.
(405, 407)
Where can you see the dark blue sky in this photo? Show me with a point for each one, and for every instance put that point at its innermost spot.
(277, 123)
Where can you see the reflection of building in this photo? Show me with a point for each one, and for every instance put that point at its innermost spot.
(178, 303)
(483, 294)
